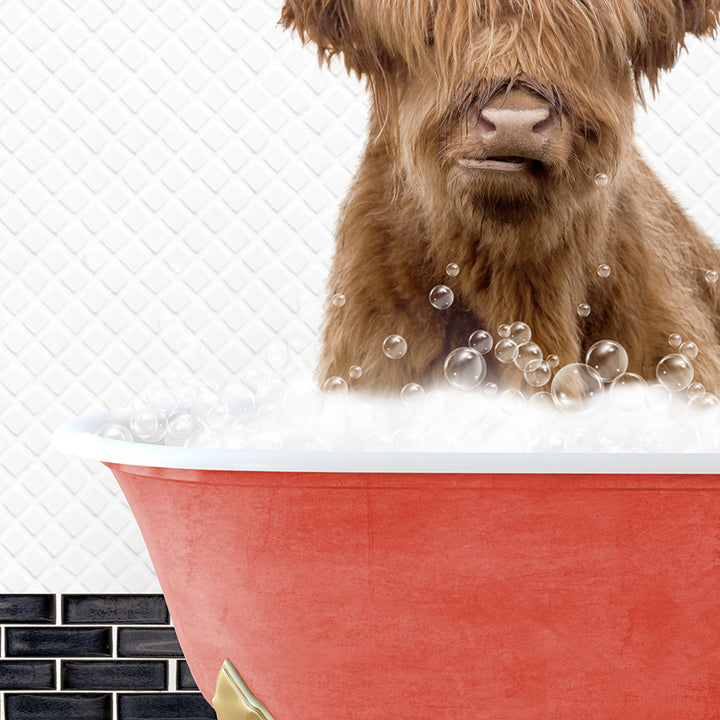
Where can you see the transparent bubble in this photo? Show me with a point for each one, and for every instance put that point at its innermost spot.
(674, 340)
(482, 341)
(711, 277)
(276, 355)
(674, 372)
(601, 179)
(689, 349)
(526, 354)
(464, 368)
(114, 431)
(236, 437)
(338, 300)
(576, 388)
(179, 425)
(506, 350)
(552, 360)
(583, 310)
(301, 402)
(603, 270)
(582, 440)
(512, 401)
(441, 297)
(537, 373)
(504, 330)
(452, 269)
(520, 333)
(695, 390)
(628, 391)
(145, 424)
(701, 404)
(541, 401)
(394, 346)
(490, 389)
(218, 417)
(203, 439)
(335, 386)
(355, 372)
(657, 398)
(613, 436)
(379, 441)
(268, 414)
(412, 395)
(608, 358)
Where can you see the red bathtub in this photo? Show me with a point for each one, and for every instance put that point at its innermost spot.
(444, 586)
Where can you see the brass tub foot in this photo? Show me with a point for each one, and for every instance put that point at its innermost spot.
(233, 699)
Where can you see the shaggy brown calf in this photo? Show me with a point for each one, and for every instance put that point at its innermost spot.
(490, 122)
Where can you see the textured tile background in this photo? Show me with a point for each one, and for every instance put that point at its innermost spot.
(170, 174)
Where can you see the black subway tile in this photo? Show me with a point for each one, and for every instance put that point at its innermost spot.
(185, 680)
(148, 642)
(116, 675)
(58, 706)
(58, 642)
(167, 706)
(27, 675)
(27, 609)
(115, 609)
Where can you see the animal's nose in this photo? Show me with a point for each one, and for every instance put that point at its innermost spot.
(517, 122)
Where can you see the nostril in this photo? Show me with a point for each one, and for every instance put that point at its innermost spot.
(547, 124)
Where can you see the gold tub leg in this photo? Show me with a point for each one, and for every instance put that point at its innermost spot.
(233, 699)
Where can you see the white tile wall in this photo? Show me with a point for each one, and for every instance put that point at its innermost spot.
(170, 174)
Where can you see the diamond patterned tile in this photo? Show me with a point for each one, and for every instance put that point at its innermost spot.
(169, 182)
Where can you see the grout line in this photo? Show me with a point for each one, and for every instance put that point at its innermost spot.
(172, 676)
(58, 670)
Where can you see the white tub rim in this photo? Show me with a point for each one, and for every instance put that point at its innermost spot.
(77, 437)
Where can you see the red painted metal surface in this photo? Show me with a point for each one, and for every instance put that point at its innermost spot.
(506, 597)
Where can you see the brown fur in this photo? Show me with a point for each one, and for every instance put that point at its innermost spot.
(528, 249)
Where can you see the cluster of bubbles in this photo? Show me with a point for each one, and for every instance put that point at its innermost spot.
(595, 405)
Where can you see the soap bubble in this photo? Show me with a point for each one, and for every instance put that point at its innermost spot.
(203, 439)
(603, 270)
(267, 441)
(674, 372)
(527, 353)
(179, 426)
(601, 179)
(114, 431)
(464, 368)
(145, 425)
(236, 437)
(576, 388)
(268, 414)
(628, 390)
(702, 403)
(512, 401)
(394, 346)
(506, 350)
(503, 330)
(711, 277)
(520, 333)
(689, 349)
(490, 389)
(302, 403)
(218, 417)
(355, 372)
(338, 300)
(378, 441)
(452, 269)
(608, 358)
(553, 360)
(335, 386)
(695, 390)
(412, 395)
(674, 340)
(541, 401)
(657, 397)
(482, 341)
(537, 373)
(583, 310)
(441, 297)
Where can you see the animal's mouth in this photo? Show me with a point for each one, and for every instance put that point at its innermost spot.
(498, 163)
